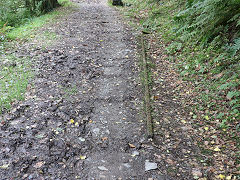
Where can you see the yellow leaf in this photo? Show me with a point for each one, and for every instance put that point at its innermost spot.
(5, 166)
(183, 121)
(82, 157)
(220, 176)
(76, 124)
(206, 117)
(72, 121)
(228, 177)
(206, 128)
(90, 121)
(217, 149)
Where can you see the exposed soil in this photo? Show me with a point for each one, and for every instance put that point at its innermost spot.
(81, 118)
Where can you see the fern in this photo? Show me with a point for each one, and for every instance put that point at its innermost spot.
(206, 19)
(234, 49)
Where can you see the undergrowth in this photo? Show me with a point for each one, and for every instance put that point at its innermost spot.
(202, 38)
(215, 70)
(18, 25)
(15, 73)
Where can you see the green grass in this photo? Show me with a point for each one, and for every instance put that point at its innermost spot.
(30, 29)
(14, 78)
(16, 73)
(66, 3)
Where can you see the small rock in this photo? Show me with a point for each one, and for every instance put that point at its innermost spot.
(102, 168)
(127, 165)
(96, 131)
(150, 165)
(135, 153)
(7, 149)
(38, 165)
(81, 139)
(72, 66)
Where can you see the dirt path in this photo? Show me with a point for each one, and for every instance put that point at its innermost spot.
(81, 118)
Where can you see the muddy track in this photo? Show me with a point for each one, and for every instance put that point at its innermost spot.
(80, 119)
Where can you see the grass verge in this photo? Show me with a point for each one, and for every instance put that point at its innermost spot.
(16, 73)
(30, 29)
(14, 77)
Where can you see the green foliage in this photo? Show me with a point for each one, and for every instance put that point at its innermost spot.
(234, 49)
(208, 19)
(15, 13)
(202, 38)
(28, 30)
(15, 73)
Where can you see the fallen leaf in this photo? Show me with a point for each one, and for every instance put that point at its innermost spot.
(169, 161)
(82, 157)
(5, 166)
(196, 173)
(39, 164)
(228, 177)
(217, 76)
(206, 117)
(217, 149)
(206, 128)
(131, 145)
(183, 121)
(71, 121)
(221, 176)
(104, 138)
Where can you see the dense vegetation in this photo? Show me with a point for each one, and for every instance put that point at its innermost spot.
(14, 13)
(20, 21)
(202, 38)
(213, 25)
